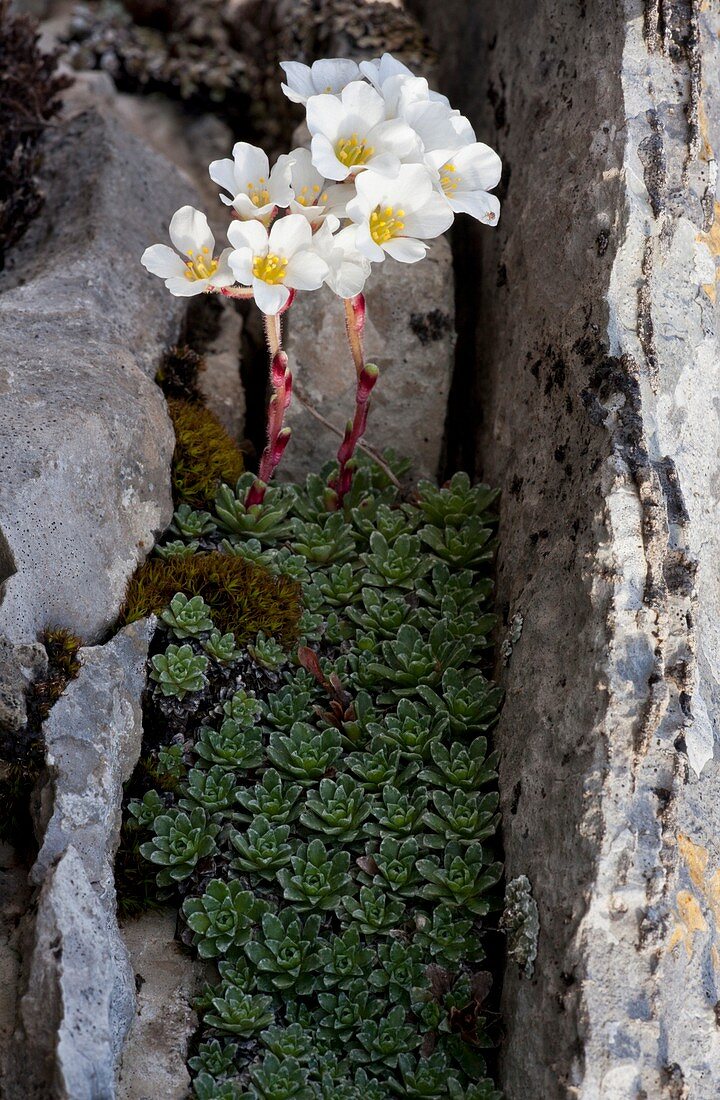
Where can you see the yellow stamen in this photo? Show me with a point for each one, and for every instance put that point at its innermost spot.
(259, 196)
(270, 269)
(199, 268)
(386, 224)
(351, 152)
(449, 178)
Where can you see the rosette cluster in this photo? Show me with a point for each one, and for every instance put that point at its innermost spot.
(389, 166)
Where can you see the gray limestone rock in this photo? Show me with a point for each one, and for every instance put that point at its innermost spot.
(409, 334)
(85, 440)
(596, 412)
(92, 743)
(79, 998)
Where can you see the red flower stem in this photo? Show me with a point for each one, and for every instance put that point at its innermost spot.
(367, 376)
(278, 436)
(354, 327)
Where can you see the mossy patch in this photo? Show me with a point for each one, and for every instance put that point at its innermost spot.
(243, 597)
(205, 455)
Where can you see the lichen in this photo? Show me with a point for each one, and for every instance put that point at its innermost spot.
(243, 597)
(205, 455)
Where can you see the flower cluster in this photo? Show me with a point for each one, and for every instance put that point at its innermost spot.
(389, 165)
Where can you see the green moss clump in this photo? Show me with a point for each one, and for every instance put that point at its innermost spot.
(243, 597)
(205, 455)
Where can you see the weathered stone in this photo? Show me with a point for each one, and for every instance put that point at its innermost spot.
(80, 998)
(85, 440)
(168, 979)
(92, 743)
(598, 382)
(13, 712)
(409, 334)
(68, 1014)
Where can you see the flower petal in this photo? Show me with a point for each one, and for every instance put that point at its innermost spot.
(478, 166)
(367, 246)
(224, 275)
(478, 204)
(306, 270)
(325, 115)
(363, 107)
(222, 172)
(251, 165)
(190, 232)
(186, 288)
(247, 209)
(270, 298)
(333, 73)
(241, 265)
(288, 234)
(405, 249)
(160, 259)
(280, 184)
(430, 220)
(299, 85)
(252, 235)
(325, 160)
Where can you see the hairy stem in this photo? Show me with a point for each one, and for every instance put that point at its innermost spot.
(278, 436)
(367, 376)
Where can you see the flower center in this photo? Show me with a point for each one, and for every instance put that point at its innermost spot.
(449, 178)
(259, 196)
(200, 265)
(386, 223)
(270, 269)
(310, 196)
(351, 152)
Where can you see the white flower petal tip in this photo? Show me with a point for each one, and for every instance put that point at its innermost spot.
(191, 268)
(327, 77)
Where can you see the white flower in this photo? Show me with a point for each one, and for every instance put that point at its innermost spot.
(393, 213)
(348, 269)
(329, 76)
(312, 197)
(255, 190)
(437, 126)
(195, 270)
(464, 177)
(351, 132)
(382, 69)
(277, 262)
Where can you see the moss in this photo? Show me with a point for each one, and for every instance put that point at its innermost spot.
(243, 597)
(179, 373)
(205, 455)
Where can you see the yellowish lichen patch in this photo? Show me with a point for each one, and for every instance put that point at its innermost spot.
(691, 904)
(711, 240)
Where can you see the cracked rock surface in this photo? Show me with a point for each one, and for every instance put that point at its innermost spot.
(85, 440)
(600, 365)
(78, 995)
